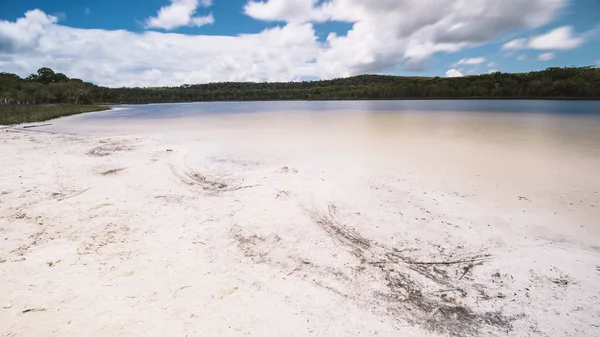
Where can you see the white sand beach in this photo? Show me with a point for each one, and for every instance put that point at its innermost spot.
(301, 225)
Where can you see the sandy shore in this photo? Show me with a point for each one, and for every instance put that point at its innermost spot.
(231, 233)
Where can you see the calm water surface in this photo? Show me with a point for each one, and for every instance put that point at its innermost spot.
(179, 110)
(548, 151)
(520, 122)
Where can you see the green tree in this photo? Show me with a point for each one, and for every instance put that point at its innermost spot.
(46, 75)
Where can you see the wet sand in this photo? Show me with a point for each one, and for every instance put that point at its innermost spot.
(303, 224)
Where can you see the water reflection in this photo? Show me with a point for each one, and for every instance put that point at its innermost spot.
(551, 156)
(552, 126)
(187, 110)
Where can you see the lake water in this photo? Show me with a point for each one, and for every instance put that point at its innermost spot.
(523, 122)
(495, 151)
(179, 110)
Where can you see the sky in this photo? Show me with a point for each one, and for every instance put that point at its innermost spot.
(150, 43)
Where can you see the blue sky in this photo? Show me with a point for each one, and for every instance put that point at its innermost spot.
(134, 43)
(130, 15)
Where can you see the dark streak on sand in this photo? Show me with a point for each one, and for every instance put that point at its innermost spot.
(406, 296)
(409, 293)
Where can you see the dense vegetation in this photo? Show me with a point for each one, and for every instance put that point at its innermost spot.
(48, 87)
(28, 113)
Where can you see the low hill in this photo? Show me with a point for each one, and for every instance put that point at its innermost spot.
(48, 87)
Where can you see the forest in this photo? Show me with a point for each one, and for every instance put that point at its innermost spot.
(48, 87)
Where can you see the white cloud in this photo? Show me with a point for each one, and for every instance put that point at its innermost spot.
(557, 39)
(491, 71)
(384, 35)
(154, 58)
(388, 32)
(514, 44)
(88, 11)
(546, 57)
(281, 10)
(598, 62)
(25, 33)
(522, 57)
(470, 61)
(561, 38)
(491, 64)
(180, 13)
(454, 73)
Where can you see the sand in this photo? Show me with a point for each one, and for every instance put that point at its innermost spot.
(299, 226)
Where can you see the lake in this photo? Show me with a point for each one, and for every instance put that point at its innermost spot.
(178, 110)
(557, 124)
(327, 186)
(548, 148)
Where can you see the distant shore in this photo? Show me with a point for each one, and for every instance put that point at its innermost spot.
(567, 83)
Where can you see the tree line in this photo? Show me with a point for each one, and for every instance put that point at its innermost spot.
(48, 87)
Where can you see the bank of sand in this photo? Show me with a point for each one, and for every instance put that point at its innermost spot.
(253, 226)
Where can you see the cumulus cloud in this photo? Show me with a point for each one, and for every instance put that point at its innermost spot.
(546, 57)
(491, 71)
(122, 58)
(561, 38)
(181, 13)
(470, 61)
(557, 39)
(281, 10)
(522, 57)
(26, 32)
(385, 34)
(454, 73)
